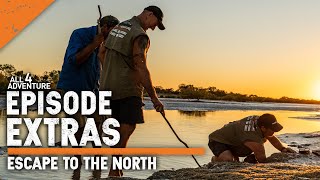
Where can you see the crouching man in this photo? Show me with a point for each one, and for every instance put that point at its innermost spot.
(241, 138)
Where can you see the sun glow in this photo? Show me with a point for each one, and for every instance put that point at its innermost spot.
(316, 91)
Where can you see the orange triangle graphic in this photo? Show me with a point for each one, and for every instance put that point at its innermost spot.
(15, 15)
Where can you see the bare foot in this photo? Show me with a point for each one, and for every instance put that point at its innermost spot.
(213, 159)
(114, 173)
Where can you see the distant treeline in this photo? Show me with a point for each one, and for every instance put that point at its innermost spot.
(185, 91)
(192, 92)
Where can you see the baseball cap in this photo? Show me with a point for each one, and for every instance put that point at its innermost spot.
(110, 21)
(269, 121)
(158, 13)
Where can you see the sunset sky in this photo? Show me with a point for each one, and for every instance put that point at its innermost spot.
(268, 47)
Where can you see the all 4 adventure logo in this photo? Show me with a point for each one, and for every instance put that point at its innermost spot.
(32, 153)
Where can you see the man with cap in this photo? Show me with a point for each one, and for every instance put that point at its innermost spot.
(81, 66)
(126, 74)
(241, 138)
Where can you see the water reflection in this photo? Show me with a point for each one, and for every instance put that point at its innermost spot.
(193, 113)
(76, 175)
(3, 112)
(308, 117)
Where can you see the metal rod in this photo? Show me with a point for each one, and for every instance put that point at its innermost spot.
(100, 14)
(178, 137)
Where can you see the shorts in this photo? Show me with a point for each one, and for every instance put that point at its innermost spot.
(128, 110)
(240, 151)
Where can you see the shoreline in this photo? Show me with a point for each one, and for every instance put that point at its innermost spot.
(231, 171)
(2, 96)
(278, 166)
(214, 105)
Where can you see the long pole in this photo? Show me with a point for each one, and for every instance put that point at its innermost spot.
(174, 132)
(100, 16)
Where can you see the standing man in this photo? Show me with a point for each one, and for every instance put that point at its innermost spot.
(241, 138)
(81, 66)
(126, 74)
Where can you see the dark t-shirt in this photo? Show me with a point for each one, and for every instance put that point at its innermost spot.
(80, 77)
(237, 132)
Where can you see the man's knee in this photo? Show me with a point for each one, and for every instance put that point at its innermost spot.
(127, 129)
(225, 159)
(225, 156)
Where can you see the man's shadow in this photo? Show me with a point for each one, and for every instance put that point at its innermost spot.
(96, 174)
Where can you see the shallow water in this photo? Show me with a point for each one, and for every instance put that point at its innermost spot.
(193, 127)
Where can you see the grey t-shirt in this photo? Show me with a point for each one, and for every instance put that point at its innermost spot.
(237, 132)
(118, 74)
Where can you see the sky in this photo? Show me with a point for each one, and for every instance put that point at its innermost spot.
(268, 47)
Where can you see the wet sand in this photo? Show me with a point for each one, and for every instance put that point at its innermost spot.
(279, 166)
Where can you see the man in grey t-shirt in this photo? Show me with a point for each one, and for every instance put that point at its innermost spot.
(241, 138)
(126, 74)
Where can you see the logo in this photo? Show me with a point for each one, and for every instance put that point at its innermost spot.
(16, 15)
